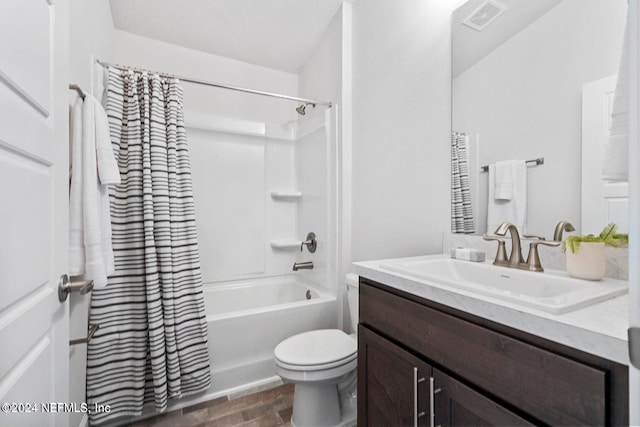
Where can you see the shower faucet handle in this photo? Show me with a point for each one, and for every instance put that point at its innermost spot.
(310, 243)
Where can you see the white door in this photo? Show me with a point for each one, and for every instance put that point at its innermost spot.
(602, 202)
(34, 337)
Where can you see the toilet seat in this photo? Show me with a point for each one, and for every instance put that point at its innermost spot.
(315, 350)
(320, 367)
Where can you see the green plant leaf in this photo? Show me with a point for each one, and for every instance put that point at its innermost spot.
(608, 232)
(607, 236)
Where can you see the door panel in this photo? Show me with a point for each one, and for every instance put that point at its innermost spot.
(27, 256)
(25, 66)
(602, 202)
(34, 337)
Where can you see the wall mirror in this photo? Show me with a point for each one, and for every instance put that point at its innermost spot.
(522, 71)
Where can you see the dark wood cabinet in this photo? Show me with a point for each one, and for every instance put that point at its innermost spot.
(458, 405)
(393, 381)
(476, 372)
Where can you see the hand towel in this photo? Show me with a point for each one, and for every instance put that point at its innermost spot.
(514, 210)
(93, 169)
(505, 173)
(615, 165)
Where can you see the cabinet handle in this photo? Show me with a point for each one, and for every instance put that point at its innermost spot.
(416, 381)
(432, 400)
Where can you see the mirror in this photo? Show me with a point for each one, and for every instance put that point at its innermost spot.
(519, 71)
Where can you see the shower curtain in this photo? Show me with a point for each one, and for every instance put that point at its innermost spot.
(461, 213)
(152, 341)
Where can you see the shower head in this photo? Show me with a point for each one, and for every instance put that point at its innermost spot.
(301, 109)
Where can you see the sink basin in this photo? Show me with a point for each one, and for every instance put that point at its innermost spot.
(551, 291)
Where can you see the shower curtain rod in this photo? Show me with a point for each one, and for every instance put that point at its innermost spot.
(218, 85)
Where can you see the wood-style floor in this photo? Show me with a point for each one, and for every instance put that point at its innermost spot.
(265, 408)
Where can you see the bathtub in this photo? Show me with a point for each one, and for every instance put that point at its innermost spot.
(247, 319)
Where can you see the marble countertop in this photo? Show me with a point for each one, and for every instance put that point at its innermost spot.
(600, 329)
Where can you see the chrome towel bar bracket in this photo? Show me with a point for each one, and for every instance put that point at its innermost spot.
(78, 89)
(92, 330)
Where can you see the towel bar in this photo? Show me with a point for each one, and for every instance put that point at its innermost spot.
(536, 162)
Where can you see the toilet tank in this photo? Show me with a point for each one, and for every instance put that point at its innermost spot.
(351, 281)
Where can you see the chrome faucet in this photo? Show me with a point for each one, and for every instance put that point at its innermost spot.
(515, 259)
(307, 265)
(562, 226)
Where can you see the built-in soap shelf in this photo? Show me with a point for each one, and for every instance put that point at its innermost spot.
(286, 195)
(285, 244)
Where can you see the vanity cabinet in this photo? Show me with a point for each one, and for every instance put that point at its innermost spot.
(418, 359)
(397, 392)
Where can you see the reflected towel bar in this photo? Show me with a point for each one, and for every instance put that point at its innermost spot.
(536, 162)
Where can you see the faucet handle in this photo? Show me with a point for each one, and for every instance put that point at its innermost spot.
(311, 243)
(501, 254)
(534, 236)
(533, 259)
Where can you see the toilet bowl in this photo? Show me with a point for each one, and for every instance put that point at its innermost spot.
(322, 365)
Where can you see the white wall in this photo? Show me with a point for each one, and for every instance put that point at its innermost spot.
(90, 34)
(134, 50)
(401, 125)
(524, 101)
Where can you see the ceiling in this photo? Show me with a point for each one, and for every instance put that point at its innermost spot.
(279, 34)
(470, 46)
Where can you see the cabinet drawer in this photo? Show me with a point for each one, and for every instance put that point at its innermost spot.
(552, 388)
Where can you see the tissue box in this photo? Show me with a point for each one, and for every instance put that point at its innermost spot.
(467, 254)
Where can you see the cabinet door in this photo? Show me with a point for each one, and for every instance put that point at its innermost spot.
(458, 405)
(392, 383)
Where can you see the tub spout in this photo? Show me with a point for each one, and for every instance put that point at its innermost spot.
(308, 265)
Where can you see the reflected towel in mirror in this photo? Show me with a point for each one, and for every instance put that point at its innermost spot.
(513, 210)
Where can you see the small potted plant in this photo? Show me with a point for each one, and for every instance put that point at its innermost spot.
(585, 254)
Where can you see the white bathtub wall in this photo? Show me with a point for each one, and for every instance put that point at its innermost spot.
(234, 165)
(228, 183)
(311, 170)
(320, 78)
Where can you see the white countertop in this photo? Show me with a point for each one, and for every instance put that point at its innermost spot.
(600, 329)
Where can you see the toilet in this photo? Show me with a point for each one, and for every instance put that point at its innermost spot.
(322, 365)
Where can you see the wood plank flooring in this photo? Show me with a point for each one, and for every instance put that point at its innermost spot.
(265, 408)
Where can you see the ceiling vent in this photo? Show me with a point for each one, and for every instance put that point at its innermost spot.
(484, 15)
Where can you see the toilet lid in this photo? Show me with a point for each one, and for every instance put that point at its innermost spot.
(316, 348)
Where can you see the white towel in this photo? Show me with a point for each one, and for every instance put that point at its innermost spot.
(93, 169)
(615, 165)
(514, 210)
(505, 179)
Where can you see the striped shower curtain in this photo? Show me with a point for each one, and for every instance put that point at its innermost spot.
(152, 341)
(461, 213)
